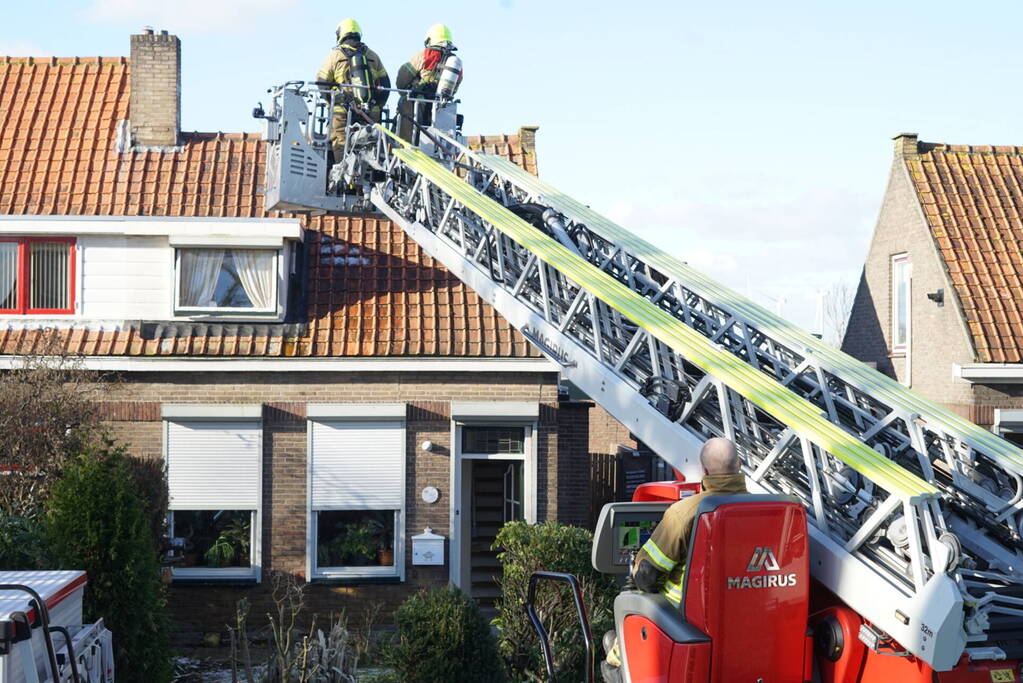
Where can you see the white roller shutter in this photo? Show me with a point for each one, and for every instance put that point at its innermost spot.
(357, 465)
(214, 465)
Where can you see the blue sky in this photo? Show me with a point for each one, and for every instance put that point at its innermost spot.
(751, 139)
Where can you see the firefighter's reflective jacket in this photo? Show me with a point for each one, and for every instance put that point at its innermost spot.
(337, 68)
(668, 547)
(422, 72)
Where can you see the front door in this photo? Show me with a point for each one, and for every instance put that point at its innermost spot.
(494, 490)
(496, 499)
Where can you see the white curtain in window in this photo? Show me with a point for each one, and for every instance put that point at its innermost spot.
(200, 270)
(257, 274)
(8, 274)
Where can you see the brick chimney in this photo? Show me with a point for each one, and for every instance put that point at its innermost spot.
(155, 106)
(906, 144)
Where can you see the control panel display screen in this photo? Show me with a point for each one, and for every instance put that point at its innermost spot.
(630, 537)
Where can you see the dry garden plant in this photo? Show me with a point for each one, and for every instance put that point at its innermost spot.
(47, 416)
(297, 655)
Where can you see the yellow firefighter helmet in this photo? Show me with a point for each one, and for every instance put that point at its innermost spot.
(437, 35)
(347, 27)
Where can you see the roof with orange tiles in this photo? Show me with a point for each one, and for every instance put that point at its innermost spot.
(972, 198)
(59, 125)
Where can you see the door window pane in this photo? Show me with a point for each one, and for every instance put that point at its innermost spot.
(513, 492)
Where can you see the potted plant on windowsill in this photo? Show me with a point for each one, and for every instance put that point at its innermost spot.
(231, 547)
(354, 545)
(221, 553)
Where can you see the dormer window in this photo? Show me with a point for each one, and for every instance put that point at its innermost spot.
(37, 275)
(227, 280)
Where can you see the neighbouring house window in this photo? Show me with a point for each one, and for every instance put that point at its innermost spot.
(227, 280)
(900, 301)
(214, 477)
(356, 498)
(37, 275)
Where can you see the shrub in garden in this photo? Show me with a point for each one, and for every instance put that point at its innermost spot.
(550, 546)
(442, 638)
(96, 522)
(150, 478)
(23, 543)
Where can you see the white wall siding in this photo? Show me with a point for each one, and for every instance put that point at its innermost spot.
(128, 278)
(124, 266)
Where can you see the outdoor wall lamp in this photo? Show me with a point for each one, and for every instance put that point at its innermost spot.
(937, 297)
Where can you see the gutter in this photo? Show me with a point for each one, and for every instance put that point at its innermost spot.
(989, 373)
(270, 365)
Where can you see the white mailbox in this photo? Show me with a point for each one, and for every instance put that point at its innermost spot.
(427, 548)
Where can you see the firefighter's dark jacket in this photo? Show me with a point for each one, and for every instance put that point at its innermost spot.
(667, 548)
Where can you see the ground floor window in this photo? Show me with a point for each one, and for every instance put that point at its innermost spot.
(214, 476)
(355, 538)
(214, 539)
(356, 496)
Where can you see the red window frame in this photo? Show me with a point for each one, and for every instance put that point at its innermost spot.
(24, 276)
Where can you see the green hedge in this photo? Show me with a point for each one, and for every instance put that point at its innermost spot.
(23, 543)
(150, 479)
(442, 638)
(97, 522)
(550, 546)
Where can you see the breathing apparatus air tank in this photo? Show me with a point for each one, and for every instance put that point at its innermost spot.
(450, 76)
(359, 75)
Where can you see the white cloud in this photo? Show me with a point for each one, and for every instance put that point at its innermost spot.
(185, 15)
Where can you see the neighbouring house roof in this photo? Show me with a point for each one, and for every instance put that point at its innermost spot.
(59, 125)
(972, 198)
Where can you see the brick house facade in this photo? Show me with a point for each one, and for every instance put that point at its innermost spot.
(940, 300)
(367, 331)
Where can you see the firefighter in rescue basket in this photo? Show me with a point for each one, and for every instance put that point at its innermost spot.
(433, 73)
(352, 64)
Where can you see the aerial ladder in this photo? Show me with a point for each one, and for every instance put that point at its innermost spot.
(914, 514)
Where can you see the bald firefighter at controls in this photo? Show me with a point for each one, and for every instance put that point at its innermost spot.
(352, 63)
(666, 550)
(660, 563)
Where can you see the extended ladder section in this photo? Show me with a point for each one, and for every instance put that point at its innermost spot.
(915, 513)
